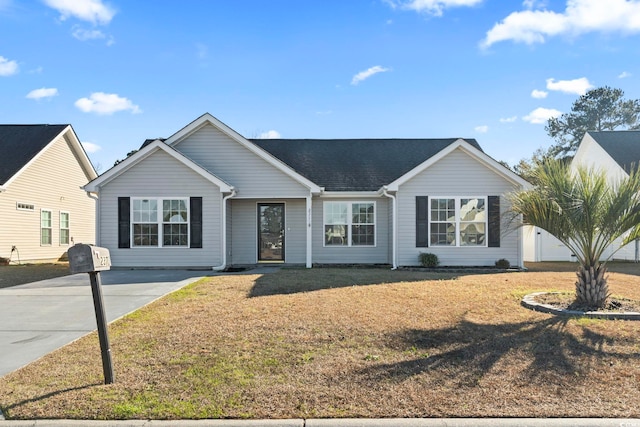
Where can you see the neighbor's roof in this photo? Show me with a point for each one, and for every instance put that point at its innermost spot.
(21, 143)
(354, 164)
(622, 145)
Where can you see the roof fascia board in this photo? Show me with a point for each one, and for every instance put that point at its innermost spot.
(76, 146)
(469, 149)
(277, 163)
(349, 194)
(136, 158)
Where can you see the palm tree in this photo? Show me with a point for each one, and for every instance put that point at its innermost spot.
(588, 212)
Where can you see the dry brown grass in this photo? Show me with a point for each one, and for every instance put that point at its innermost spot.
(12, 275)
(346, 343)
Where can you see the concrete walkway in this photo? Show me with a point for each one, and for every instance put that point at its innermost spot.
(40, 317)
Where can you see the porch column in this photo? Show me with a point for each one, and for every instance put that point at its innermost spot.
(309, 232)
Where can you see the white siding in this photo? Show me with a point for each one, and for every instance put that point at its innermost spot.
(244, 232)
(252, 176)
(160, 175)
(51, 182)
(591, 155)
(457, 174)
(379, 254)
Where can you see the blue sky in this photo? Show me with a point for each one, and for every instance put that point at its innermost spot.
(123, 71)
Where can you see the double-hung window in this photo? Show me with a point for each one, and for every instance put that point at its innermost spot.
(458, 221)
(349, 223)
(45, 227)
(160, 222)
(64, 228)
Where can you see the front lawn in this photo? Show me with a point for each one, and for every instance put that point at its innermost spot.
(346, 343)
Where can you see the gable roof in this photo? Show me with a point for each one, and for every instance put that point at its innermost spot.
(355, 164)
(144, 152)
(622, 145)
(208, 119)
(21, 144)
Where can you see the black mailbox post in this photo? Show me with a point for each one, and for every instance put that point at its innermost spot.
(93, 259)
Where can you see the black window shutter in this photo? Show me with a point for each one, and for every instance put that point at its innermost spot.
(196, 221)
(494, 221)
(124, 224)
(422, 221)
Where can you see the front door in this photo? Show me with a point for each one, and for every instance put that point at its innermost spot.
(271, 232)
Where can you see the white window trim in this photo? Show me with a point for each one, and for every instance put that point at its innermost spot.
(160, 223)
(60, 228)
(50, 228)
(27, 207)
(457, 221)
(349, 224)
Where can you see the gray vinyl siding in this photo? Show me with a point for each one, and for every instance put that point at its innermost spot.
(252, 176)
(378, 254)
(160, 175)
(457, 174)
(244, 231)
(52, 182)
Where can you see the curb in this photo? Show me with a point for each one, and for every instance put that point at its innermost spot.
(529, 302)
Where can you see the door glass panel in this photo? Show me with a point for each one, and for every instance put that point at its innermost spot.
(271, 232)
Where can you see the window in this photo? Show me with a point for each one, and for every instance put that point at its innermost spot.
(25, 207)
(45, 227)
(459, 221)
(156, 221)
(349, 223)
(64, 228)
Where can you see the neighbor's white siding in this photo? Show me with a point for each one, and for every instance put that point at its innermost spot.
(160, 175)
(378, 254)
(52, 182)
(239, 167)
(591, 155)
(244, 231)
(457, 174)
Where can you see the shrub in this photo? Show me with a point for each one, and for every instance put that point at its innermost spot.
(4, 261)
(429, 259)
(503, 263)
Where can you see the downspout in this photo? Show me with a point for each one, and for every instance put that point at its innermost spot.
(394, 228)
(97, 226)
(224, 231)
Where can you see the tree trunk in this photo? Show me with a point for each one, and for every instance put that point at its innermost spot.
(592, 289)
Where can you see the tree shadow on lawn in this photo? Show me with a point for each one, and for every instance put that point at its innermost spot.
(291, 281)
(465, 353)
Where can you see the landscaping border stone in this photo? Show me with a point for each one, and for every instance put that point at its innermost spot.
(529, 302)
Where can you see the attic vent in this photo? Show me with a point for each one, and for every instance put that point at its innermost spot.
(25, 206)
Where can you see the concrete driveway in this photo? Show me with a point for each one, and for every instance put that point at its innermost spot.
(40, 317)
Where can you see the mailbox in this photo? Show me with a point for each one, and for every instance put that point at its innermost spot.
(88, 258)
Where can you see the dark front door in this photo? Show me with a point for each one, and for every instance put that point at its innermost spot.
(271, 232)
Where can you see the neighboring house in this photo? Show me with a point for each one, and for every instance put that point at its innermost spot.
(43, 207)
(208, 197)
(615, 152)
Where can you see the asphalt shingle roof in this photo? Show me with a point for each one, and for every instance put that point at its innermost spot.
(20, 143)
(354, 164)
(623, 146)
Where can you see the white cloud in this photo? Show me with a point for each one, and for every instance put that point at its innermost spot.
(541, 115)
(508, 119)
(481, 129)
(270, 134)
(624, 75)
(94, 11)
(105, 104)
(432, 7)
(579, 17)
(7, 68)
(576, 86)
(539, 94)
(363, 75)
(90, 147)
(42, 93)
(83, 34)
